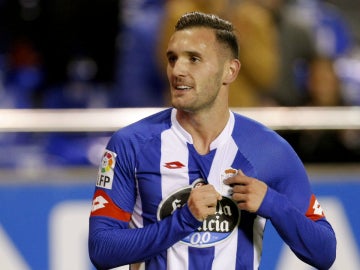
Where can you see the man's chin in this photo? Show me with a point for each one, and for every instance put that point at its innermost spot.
(180, 107)
(183, 106)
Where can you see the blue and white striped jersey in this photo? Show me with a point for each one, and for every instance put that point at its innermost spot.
(140, 216)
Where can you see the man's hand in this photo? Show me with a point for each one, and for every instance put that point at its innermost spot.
(203, 200)
(248, 192)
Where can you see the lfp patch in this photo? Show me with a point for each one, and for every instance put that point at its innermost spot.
(106, 170)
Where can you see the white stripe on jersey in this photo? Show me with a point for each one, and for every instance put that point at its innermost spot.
(227, 248)
(177, 256)
(258, 230)
(136, 219)
(224, 157)
(174, 149)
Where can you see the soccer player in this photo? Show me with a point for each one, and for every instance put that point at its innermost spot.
(192, 187)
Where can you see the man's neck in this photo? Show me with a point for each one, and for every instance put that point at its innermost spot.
(203, 127)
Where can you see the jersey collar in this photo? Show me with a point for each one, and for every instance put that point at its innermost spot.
(222, 138)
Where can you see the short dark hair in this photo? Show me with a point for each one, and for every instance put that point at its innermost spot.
(224, 30)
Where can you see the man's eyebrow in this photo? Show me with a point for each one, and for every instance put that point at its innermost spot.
(191, 53)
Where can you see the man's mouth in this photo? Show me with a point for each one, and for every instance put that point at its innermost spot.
(182, 87)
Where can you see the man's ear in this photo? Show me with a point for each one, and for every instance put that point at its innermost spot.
(231, 71)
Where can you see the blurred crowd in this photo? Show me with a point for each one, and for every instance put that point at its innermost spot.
(96, 54)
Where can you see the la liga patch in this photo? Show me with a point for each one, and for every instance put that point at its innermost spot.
(106, 170)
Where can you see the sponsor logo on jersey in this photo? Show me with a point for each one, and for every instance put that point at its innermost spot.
(106, 170)
(215, 228)
(315, 211)
(174, 165)
(103, 206)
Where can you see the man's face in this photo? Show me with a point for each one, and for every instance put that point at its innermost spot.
(195, 68)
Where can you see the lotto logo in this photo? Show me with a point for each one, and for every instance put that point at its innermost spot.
(174, 165)
(103, 206)
(98, 203)
(317, 208)
(314, 211)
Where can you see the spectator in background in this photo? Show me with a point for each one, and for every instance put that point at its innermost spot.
(260, 54)
(324, 90)
(335, 36)
(327, 24)
(296, 49)
(323, 86)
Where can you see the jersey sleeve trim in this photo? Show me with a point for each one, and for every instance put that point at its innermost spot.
(103, 205)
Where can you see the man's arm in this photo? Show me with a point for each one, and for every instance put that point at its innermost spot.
(313, 241)
(309, 235)
(112, 243)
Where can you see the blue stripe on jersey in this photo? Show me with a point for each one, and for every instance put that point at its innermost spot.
(245, 240)
(149, 180)
(199, 165)
(201, 258)
(156, 263)
(240, 162)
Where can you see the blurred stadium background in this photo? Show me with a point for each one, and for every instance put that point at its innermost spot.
(72, 72)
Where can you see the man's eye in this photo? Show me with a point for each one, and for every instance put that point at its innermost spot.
(194, 59)
(171, 59)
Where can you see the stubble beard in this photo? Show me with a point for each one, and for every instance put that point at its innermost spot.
(194, 105)
(198, 102)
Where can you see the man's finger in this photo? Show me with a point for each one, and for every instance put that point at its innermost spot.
(239, 179)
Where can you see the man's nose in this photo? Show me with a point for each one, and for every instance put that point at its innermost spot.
(179, 68)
